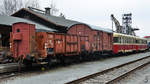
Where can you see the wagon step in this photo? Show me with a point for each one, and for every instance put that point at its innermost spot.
(42, 62)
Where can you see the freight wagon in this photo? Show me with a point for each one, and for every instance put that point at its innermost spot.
(81, 41)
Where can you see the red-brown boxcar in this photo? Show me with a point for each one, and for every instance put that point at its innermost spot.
(99, 39)
(28, 44)
(81, 39)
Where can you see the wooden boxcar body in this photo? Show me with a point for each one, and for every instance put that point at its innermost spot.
(98, 41)
(80, 40)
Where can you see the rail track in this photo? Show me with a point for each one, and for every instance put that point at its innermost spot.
(8, 70)
(112, 75)
(9, 67)
(11, 70)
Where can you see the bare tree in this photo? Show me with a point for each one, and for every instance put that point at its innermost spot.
(52, 5)
(32, 3)
(8, 7)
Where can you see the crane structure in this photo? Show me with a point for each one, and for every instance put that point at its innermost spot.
(117, 24)
(126, 27)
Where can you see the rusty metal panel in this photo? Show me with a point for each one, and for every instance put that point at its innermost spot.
(84, 34)
(84, 43)
(23, 38)
(50, 40)
(71, 44)
(80, 29)
(59, 43)
(41, 38)
(72, 30)
(107, 41)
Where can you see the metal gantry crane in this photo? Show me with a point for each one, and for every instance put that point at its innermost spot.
(117, 24)
(126, 27)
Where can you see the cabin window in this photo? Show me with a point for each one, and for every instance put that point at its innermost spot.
(116, 40)
(18, 30)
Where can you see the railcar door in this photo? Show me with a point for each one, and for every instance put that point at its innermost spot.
(59, 43)
(84, 42)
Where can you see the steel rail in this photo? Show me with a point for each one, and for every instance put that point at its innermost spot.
(77, 81)
(126, 74)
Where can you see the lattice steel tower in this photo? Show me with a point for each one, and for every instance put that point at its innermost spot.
(127, 24)
(126, 27)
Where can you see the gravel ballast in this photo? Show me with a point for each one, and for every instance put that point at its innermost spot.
(110, 75)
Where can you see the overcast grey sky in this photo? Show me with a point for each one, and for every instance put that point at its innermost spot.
(97, 12)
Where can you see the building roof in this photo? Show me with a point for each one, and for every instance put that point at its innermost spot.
(101, 29)
(60, 21)
(9, 20)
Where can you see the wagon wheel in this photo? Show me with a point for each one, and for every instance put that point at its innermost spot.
(49, 60)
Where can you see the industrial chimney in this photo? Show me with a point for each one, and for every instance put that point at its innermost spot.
(47, 10)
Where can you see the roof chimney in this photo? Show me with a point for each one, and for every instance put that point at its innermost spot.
(47, 10)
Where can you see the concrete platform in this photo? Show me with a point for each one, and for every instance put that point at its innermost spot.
(64, 74)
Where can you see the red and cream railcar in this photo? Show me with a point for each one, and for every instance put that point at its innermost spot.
(127, 43)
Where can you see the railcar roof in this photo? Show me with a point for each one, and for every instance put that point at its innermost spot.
(119, 34)
(9, 20)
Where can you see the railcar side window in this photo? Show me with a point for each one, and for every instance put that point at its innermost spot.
(136, 41)
(116, 40)
(121, 41)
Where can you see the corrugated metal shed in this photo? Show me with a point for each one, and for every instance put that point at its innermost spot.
(9, 20)
(68, 23)
(60, 21)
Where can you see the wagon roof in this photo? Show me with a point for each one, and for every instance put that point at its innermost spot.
(59, 21)
(101, 28)
(9, 20)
